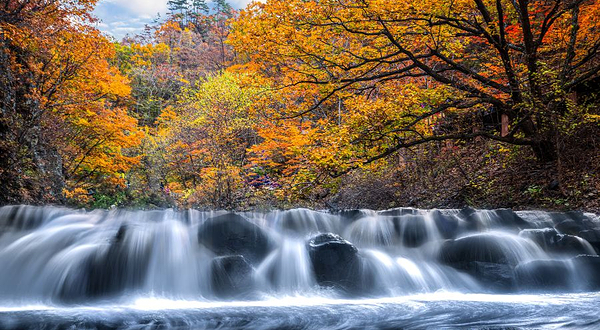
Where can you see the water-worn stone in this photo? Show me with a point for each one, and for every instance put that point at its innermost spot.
(550, 240)
(351, 215)
(306, 221)
(411, 229)
(231, 276)
(588, 268)
(335, 261)
(493, 276)
(399, 211)
(447, 225)
(569, 227)
(483, 256)
(576, 216)
(508, 218)
(592, 236)
(469, 216)
(544, 275)
(232, 234)
(479, 247)
(112, 271)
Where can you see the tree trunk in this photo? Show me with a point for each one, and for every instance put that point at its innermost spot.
(49, 165)
(545, 151)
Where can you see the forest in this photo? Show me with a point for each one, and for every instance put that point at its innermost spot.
(332, 104)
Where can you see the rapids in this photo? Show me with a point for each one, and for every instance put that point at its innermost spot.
(298, 268)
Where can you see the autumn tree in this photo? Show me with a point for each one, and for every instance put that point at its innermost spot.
(201, 143)
(63, 114)
(407, 73)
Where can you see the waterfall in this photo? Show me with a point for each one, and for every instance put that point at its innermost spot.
(63, 256)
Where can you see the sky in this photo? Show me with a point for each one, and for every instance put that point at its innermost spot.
(121, 17)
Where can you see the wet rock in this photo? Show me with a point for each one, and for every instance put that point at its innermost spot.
(351, 215)
(571, 222)
(508, 218)
(550, 240)
(543, 275)
(399, 212)
(306, 221)
(27, 217)
(123, 266)
(335, 262)
(120, 236)
(466, 212)
(231, 276)
(493, 276)
(573, 245)
(371, 231)
(411, 229)
(8, 216)
(478, 220)
(588, 268)
(578, 216)
(469, 215)
(578, 224)
(483, 256)
(479, 247)
(232, 234)
(569, 227)
(592, 236)
(447, 225)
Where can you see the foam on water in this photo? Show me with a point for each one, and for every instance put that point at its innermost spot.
(116, 261)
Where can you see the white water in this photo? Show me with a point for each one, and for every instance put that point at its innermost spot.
(46, 253)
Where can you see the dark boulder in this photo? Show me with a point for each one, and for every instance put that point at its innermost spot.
(231, 276)
(232, 234)
(477, 220)
(542, 237)
(306, 221)
(592, 236)
(576, 216)
(578, 224)
(335, 262)
(351, 215)
(493, 276)
(123, 266)
(27, 217)
(588, 269)
(399, 212)
(469, 215)
(572, 223)
(412, 230)
(480, 247)
(544, 275)
(569, 227)
(486, 257)
(508, 218)
(372, 231)
(550, 240)
(8, 217)
(447, 224)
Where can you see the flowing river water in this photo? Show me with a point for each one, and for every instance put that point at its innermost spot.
(298, 269)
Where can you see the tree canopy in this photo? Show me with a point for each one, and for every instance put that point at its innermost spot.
(303, 103)
(519, 58)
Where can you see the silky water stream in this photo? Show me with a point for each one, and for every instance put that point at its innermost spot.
(298, 269)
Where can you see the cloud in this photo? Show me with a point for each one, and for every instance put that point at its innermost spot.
(139, 8)
(122, 17)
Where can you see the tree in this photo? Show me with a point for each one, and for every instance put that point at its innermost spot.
(520, 58)
(62, 104)
(201, 142)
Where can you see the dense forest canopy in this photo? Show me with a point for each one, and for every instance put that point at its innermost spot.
(337, 103)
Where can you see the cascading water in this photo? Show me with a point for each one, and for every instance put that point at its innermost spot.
(65, 259)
